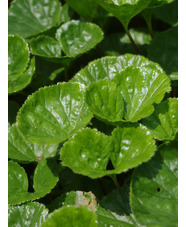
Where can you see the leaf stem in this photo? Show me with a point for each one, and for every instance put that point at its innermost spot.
(132, 41)
(102, 187)
(114, 178)
(147, 15)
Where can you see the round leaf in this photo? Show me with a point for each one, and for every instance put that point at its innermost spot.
(18, 56)
(87, 153)
(133, 145)
(45, 178)
(31, 214)
(25, 152)
(141, 87)
(23, 80)
(45, 46)
(163, 123)
(105, 100)
(53, 113)
(154, 196)
(71, 217)
(124, 10)
(164, 50)
(27, 18)
(108, 67)
(77, 37)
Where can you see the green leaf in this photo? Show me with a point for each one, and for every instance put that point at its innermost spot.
(45, 178)
(27, 18)
(45, 46)
(13, 108)
(77, 37)
(17, 179)
(23, 80)
(168, 13)
(119, 43)
(88, 151)
(18, 56)
(164, 50)
(154, 195)
(53, 114)
(124, 10)
(71, 217)
(108, 67)
(141, 87)
(133, 145)
(163, 123)
(31, 214)
(114, 209)
(105, 100)
(25, 152)
(85, 8)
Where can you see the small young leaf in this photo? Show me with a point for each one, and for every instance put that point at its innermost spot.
(105, 100)
(27, 18)
(77, 37)
(18, 56)
(71, 217)
(30, 214)
(124, 10)
(154, 189)
(164, 50)
(25, 152)
(23, 80)
(163, 123)
(108, 67)
(141, 87)
(45, 178)
(45, 46)
(88, 151)
(53, 113)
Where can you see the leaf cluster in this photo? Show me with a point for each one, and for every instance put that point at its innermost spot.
(93, 113)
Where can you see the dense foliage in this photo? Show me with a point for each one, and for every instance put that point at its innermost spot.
(93, 113)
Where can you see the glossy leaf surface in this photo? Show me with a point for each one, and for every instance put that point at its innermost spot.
(141, 87)
(163, 123)
(124, 10)
(30, 214)
(164, 45)
(88, 151)
(23, 80)
(154, 189)
(53, 113)
(71, 217)
(25, 152)
(45, 178)
(77, 37)
(18, 56)
(108, 67)
(45, 46)
(105, 100)
(133, 145)
(27, 18)
(85, 8)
